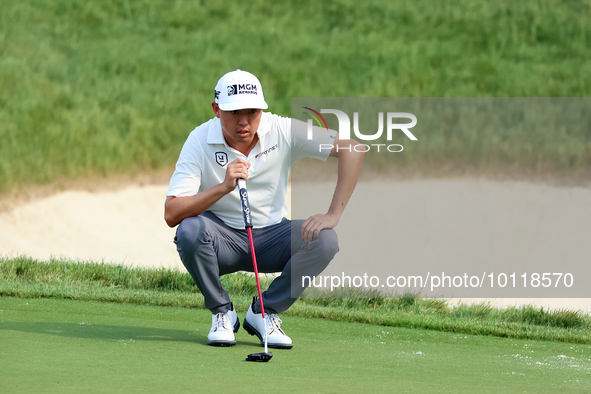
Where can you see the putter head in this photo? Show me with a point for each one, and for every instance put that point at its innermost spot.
(262, 357)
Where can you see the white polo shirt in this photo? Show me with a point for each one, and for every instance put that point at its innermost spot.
(205, 155)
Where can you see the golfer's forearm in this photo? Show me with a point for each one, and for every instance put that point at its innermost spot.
(178, 208)
(349, 168)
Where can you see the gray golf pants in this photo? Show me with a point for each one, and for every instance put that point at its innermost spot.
(209, 249)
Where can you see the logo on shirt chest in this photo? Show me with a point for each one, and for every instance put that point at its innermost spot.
(221, 158)
(271, 149)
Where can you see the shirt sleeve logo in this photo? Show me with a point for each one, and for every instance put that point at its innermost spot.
(221, 158)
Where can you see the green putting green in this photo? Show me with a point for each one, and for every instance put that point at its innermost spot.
(72, 346)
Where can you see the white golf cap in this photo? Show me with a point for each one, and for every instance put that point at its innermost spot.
(239, 90)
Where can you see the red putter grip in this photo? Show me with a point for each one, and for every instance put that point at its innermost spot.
(245, 204)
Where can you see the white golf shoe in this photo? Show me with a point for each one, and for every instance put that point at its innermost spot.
(254, 324)
(223, 327)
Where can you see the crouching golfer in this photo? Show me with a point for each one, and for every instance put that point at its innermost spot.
(242, 141)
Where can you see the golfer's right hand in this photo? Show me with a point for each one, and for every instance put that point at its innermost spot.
(235, 170)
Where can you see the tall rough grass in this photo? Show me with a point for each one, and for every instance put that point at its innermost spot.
(64, 279)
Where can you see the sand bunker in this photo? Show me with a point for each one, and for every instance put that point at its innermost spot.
(127, 225)
(124, 226)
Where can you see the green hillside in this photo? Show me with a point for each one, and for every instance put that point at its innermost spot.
(100, 87)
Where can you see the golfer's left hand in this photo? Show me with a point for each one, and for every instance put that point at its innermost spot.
(312, 227)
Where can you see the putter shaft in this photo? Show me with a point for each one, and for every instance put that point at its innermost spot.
(248, 224)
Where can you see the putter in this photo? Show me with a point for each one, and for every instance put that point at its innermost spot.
(266, 356)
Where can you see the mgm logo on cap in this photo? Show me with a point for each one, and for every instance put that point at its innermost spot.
(239, 90)
(244, 88)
